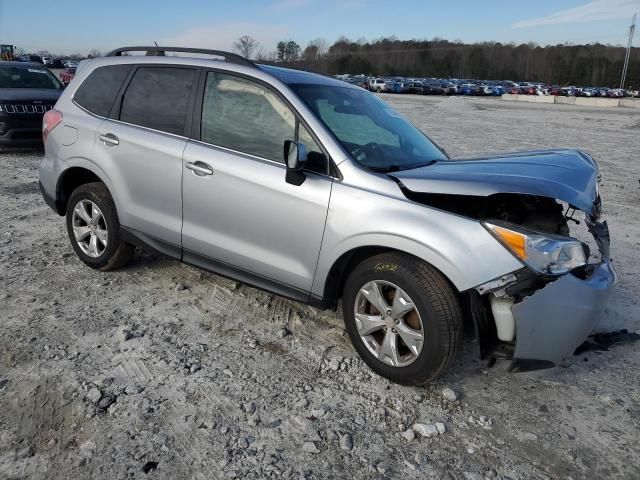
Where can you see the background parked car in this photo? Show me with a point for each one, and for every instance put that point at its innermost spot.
(414, 87)
(378, 85)
(432, 89)
(31, 58)
(67, 75)
(27, 91)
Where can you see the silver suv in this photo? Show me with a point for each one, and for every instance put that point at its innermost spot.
(318, 191)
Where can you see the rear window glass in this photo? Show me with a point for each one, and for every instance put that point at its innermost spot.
(28, 77)
(157, 98)
(100, 88)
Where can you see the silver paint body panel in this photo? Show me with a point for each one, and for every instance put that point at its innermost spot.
(146, 172)
(246, 215)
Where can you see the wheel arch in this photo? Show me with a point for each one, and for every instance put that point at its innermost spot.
(335, 279)
(75, 175)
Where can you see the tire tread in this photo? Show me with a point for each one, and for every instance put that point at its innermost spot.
(100, 194)
(444, 304)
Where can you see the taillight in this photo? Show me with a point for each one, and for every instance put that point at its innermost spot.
(50, 121)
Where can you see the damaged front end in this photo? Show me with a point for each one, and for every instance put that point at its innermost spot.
(536, 316)
(538, 320)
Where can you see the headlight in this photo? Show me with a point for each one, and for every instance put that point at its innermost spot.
(545, 253)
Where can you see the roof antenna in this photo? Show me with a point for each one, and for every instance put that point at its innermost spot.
(159, 53)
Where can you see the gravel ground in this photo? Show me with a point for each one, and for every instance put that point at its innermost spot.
(160, 370)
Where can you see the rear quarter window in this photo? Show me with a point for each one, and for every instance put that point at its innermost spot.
(99, 90)
(158, 98)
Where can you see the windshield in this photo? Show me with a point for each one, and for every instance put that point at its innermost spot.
(28, 77)
(373, 133)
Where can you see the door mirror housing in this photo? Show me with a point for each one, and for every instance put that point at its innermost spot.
(295, 157)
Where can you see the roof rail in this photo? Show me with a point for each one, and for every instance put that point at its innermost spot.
(160, 52)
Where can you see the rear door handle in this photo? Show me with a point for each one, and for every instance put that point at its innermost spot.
(199, 168)
(109, 139)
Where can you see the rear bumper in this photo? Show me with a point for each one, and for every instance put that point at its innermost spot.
(554, 321)
(48, 198)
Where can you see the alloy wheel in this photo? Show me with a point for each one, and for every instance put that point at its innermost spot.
(89, 228)
(389, 323)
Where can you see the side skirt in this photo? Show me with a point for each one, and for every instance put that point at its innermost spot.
(244, 276)
(214, 266)
(147, 242)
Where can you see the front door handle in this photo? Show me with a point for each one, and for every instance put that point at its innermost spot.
(109, 139)
(199, 168)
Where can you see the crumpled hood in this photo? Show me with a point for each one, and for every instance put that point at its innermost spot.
(567, 175)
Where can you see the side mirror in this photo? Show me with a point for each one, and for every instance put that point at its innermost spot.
(295, 157)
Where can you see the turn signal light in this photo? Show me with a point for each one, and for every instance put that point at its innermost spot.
(514, 240)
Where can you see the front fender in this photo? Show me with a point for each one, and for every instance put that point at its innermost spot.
(461, 248)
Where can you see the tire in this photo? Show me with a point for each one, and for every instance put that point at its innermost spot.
(435, 302)
(116, 253)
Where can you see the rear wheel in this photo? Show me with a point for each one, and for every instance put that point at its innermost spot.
(403, 318)
(94, 230)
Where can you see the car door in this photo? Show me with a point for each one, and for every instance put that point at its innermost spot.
(240, 216)
(141, 149)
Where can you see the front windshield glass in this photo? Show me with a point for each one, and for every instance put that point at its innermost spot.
(373, 133)
(28, 77)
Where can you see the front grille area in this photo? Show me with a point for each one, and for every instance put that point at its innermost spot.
(27, 135)
(25, 108)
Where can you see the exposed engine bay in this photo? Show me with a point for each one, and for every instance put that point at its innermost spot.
(538, 213)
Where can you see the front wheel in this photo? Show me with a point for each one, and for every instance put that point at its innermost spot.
(403, 318)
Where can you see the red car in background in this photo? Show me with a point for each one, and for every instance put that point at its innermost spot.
(67, 75)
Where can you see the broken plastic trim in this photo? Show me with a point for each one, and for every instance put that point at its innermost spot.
(497, 284)
(600, 232)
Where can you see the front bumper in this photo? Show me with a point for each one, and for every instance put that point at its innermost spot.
(19, 131)
(554, 321)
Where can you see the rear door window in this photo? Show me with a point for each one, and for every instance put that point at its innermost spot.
(158, 98)
(99, 90)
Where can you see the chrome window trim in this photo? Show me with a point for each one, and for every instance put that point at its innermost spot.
(95, 115)
(217, 147)
(287, 102)
(255, 157)
(238, 152)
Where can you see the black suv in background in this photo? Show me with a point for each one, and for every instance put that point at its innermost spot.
(31, 59)
(27, 91)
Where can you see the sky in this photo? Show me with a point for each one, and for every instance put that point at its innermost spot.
(72, 26)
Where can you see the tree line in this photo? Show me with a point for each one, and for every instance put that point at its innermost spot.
(565, 64)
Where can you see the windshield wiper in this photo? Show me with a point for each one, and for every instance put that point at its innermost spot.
(387, 169)
(398, 168)
(420, 165)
